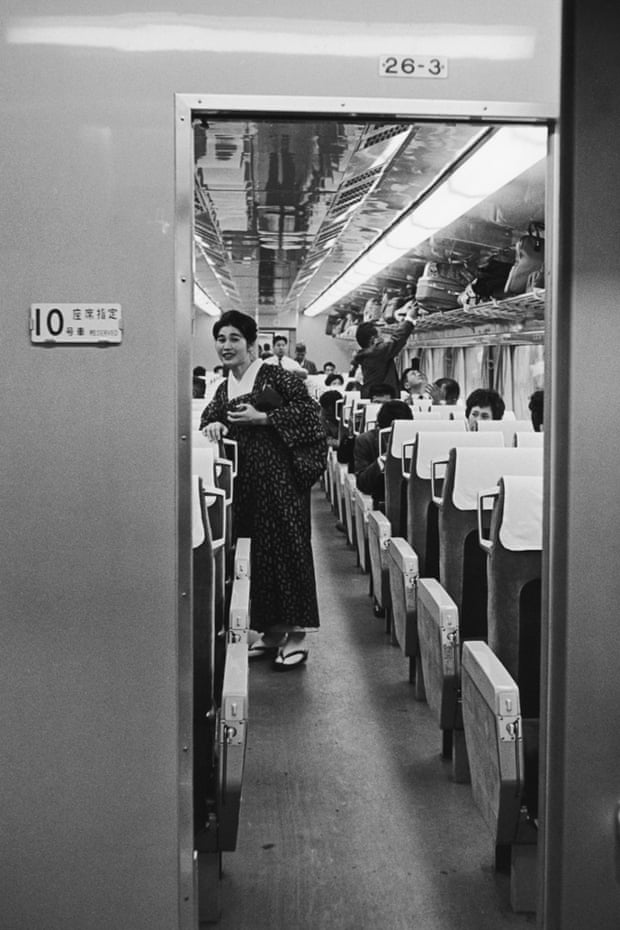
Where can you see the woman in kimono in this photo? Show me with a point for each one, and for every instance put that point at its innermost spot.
(276, 424)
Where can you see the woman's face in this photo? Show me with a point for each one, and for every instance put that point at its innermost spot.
(478, 413)
(232, 347)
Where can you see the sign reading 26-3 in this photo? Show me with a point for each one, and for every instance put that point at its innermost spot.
(76, 323)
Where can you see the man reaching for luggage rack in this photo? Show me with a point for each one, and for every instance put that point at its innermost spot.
(377, 353)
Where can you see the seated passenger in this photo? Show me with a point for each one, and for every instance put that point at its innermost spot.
(416, 384)
(536, 409)
(446, 391)
(483, 404)
(327, 401)
(334, 380)
(329, 368)
(198, 382)
(369, 465)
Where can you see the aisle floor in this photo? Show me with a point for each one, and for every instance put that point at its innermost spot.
(350, 819)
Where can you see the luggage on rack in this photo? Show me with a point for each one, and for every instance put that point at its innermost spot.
(440, 284)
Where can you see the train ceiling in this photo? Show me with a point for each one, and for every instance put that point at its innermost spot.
(282, 207)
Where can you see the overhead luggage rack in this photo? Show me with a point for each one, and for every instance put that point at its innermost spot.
(518, 319)
(514, 320)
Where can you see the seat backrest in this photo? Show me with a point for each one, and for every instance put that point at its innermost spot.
(520, 504)
(406, 430)
(529, 440)
(506, 426)
(198, 513)
(448, 411)
(436, 445)
(203, 463)
(370, 416)
(477, 469)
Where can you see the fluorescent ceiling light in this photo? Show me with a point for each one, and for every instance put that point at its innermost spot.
(204, 302)
(504, 156)
(181, 32)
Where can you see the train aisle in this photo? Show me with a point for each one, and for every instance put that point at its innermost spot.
(349, 818)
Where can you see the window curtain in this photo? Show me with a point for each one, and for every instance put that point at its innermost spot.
(433, 364)
(503, 378)
(528, 368)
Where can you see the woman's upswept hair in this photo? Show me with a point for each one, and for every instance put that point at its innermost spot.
(241, 321)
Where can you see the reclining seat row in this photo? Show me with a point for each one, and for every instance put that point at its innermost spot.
(422, 512)
(463, 590)
(502, 678)
(220, 680)
(397, 442)
(462, 563)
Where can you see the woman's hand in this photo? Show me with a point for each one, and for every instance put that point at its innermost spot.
(247, 415)
(215, 431)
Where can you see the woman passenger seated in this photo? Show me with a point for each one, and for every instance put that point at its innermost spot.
(483, 404)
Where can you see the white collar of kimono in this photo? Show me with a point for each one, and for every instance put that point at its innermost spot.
(246, 382)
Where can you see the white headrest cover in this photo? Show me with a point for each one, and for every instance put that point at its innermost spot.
(521, 527)
(479, 469)
(203, 464)
(432, 446)
(406, 430)
(529, 440)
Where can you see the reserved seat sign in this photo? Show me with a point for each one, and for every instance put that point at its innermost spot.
(80, 323)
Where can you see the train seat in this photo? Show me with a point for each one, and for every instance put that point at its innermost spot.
(370, 416)
(203, 636)
(363, 506)
(506, 426)
(529, 439)
(500, 765)
(462, 563)
(340, 473)
(218, 518)
(231, 741)
(330, 470)
(358, 415)
(402, 564)
(379, 531)
(448, 411)
(439, 648)
(348, 496)
(400, 437)
(514, 572)
(422, 531)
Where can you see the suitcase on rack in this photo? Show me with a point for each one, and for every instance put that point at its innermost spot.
(440, 284)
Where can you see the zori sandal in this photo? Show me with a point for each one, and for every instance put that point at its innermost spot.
(284, 661)
(258, 647)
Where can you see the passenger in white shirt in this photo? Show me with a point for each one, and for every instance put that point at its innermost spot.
(280, 358)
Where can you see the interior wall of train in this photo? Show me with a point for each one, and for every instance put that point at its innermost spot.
(96, 785)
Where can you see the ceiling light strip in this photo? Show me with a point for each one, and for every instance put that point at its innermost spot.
(505, 155)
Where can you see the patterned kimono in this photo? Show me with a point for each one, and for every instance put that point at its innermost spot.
(267, 505)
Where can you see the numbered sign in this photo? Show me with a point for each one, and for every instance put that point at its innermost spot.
(81, 323)
(413, 66)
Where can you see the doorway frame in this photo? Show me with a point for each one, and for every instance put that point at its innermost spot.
(350, 108)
